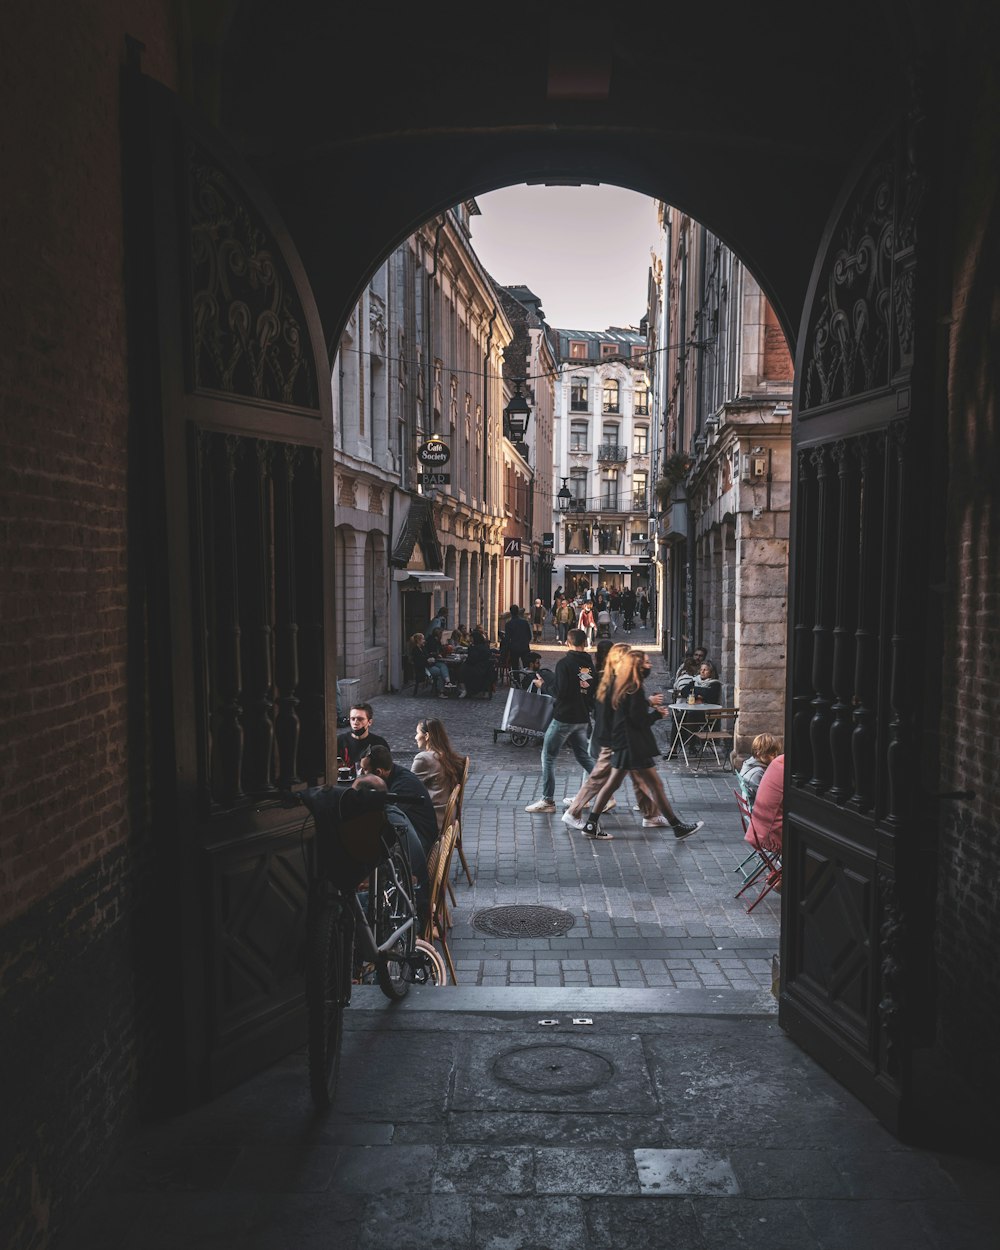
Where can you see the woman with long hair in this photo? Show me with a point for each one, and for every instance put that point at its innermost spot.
(634, 747)
(437, 764)
(600, 748)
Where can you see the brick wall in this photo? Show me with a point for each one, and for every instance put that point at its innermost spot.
(69, 1017)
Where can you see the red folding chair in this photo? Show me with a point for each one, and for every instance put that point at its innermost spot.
(768, 864)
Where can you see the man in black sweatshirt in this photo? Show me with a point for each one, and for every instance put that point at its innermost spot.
(574, 693)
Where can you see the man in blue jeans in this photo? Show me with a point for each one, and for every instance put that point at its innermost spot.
(574, 692)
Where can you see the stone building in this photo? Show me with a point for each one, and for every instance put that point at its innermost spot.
(602, 459)
(724, 472)
(421, 358)
(530, 360)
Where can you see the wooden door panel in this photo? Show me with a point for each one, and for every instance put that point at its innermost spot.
(241, 484)
(850, 973)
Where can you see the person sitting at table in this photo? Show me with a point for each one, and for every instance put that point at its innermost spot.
(700, 658)
(707, 687)
(686, 675)
(436, 651)
(767, 817)
(353, 742)
(460, 636)
(763, 750)
(406, 790)
(421, 661)
(479, 674)
(437, 764)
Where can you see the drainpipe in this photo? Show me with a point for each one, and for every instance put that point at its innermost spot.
(486, 441)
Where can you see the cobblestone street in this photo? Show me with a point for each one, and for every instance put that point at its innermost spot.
(648, 912)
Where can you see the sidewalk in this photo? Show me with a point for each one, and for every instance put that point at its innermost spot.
(622, 1087)
(647, 912)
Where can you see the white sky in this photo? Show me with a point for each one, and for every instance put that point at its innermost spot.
(584, 251)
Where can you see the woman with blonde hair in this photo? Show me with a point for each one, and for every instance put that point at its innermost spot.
(437, 764)
(634, 747)
(601, 740)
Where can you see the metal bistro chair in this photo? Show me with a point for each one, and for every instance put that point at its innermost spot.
(769, 869)
(720, 726)
(750, 865)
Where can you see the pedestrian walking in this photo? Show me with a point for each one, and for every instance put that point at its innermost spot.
(600, 747)
(538, 620)
(565, 617)
(517, 639)
(634, 747)
(642, 603)
(574, 682)
(615, 604)
(587, 621)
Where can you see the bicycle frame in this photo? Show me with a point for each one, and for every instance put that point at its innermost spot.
(367, 944)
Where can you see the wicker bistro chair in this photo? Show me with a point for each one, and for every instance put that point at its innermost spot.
(458, 816)
(438, 863)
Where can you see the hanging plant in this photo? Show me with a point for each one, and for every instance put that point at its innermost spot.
(675, 470)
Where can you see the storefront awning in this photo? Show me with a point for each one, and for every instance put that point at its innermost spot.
(582, 568)
(423, 575)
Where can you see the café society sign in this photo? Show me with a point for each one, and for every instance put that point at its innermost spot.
(433, 451)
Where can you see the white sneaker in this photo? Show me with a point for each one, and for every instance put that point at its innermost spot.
(577, 822)
(567, 802)
(541, 805)
(654, 822)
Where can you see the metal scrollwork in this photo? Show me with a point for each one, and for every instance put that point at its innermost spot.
(849, 333)
(248, 324)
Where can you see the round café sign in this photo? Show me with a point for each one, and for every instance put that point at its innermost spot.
(434, 451)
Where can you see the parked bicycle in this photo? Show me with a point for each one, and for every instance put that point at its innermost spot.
(361, 921)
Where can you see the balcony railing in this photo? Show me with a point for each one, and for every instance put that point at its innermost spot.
(579, 405)
(613, 407)
(612, 453)
(621, 504)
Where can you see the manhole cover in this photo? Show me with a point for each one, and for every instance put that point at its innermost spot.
(553, 1069)
(523, 921)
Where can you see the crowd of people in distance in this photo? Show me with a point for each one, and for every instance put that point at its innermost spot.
(601, 713)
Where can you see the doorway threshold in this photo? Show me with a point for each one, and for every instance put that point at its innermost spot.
(587, 1000)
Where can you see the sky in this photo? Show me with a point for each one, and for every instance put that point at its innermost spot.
(584, 251)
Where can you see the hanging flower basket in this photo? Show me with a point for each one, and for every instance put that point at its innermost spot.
(675, 470)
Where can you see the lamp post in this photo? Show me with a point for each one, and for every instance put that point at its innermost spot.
(564, 496)
(516, 414)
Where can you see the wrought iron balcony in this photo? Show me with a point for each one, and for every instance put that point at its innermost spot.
(612, 453)
(579, 405)
(622, 504)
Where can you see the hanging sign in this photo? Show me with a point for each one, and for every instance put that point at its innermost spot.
(434, 451)
(512, 546)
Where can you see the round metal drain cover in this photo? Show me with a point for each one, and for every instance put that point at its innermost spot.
(528, 920)
(553, 1069)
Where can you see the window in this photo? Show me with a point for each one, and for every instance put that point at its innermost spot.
(577, 539)
(640, 486)
(642, 400)
(609, 349)
(609, 489)
(579, 395)
(578, 435)
(577, 350)
(578, 484)
(638, 351)
(609, 434)
(611, 393)
(640, 440)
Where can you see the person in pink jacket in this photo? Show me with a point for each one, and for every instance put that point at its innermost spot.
(767, 817)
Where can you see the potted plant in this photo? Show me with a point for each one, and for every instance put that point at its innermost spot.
(674, 471)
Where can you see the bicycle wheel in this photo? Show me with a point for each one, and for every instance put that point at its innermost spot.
(328, 984)
(393, 967)
(429, 967)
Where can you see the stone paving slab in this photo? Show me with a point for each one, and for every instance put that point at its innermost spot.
(738, 1139)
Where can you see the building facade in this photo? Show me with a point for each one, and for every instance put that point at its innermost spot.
(723, 474)
(603, 460)
(421, 362)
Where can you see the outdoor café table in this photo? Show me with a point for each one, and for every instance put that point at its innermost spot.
(679, 713)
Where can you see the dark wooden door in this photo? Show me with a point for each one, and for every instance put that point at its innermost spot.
(856, 883)
(239, 477)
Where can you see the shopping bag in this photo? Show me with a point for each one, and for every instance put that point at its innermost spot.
(528, 711)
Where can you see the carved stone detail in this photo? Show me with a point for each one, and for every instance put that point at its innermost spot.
(347, 492)
(376, 499)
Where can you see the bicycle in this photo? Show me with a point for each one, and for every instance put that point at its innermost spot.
(358, 852)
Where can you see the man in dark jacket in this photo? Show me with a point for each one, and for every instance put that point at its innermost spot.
(575, 680)
(353, 743)
(407, 791)
(517, 638)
